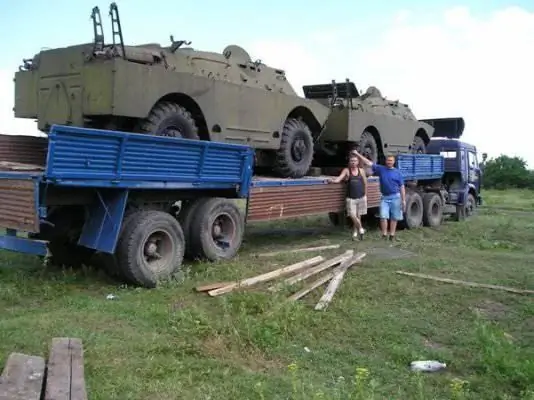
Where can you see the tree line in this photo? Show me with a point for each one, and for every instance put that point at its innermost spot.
(506, 172)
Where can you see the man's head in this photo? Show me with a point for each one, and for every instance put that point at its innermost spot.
(390, 161)
(354, 161)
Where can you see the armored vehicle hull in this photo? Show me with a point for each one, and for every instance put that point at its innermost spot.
(376, 126)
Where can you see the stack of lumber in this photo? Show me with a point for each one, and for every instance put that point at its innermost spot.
(30, 378)
(295, 273)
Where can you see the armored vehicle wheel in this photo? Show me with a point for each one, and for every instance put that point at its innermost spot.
(151, 247)
(170, 119)
(295, 155)
(368, 147)
(432, 210)
(413, 215)
(418, 146)
(217, 229)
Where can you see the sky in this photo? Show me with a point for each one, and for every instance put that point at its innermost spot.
(473, 59)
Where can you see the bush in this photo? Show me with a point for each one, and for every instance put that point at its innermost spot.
(506, 172)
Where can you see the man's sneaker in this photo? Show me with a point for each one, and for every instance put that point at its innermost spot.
(354, 235)
(361, 233)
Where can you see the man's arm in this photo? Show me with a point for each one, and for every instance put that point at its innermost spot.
(403, 196)
(364, 160)
(364, 178)
(340, 177)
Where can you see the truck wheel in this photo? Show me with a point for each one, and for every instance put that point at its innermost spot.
(295, 155)
(368, 147)
(217, 229)
(418, 145)
(170, 119)
(470, 206)
(186, 216)
(413, 217)
(432, 210)
(151, 247)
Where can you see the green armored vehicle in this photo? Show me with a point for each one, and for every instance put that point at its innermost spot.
(378, 126)
(172, 91)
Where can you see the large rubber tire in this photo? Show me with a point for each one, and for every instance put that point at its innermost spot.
(186, 216)
(295, 155)
(432, 210)
(418, 145)
(217, 230)
(413, 215)
(131, 249)
(470, 206)
(170, 119)
(368, 147)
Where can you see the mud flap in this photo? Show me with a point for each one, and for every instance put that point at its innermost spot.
(101, 230)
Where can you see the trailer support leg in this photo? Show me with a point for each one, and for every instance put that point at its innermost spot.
(101, 230)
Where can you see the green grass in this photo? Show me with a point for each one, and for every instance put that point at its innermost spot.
(171, 342)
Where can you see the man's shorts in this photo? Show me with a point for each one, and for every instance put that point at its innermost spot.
(391, 208)
(356, 207)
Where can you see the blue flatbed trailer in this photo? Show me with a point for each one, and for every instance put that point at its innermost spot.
(139, 204)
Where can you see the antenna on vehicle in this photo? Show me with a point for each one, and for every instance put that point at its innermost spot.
(98, 30)
(116, 26)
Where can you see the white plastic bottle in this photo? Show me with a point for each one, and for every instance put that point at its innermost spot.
(427, 366)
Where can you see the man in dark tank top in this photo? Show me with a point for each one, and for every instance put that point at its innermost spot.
(356, 199)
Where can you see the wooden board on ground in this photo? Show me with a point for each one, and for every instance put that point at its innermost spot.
(267, 276)
(211, 286)
(65, 377)
(466, 283)
(328, 295)
(22, 378)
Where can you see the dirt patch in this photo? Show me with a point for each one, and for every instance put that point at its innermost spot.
(251, 360)
(429, 344)
(491, 309)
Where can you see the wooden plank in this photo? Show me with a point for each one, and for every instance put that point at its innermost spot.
(466, 283)
(211, 286)
(318, 248)
(22, 378)
(312, 271)
(328, 295)
(267, 276)
(314, 285)
(65, 376)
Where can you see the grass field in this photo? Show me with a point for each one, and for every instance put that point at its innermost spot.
(173, 343)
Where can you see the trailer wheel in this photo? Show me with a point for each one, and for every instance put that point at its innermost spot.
(170, 119)
(368, 147)
(151, 247)
(432, 210)
(413, 216)
(186, 216)
(217, 230)
(295, 155)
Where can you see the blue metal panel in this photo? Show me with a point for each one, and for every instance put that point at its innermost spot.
(102, 228)
(23, 245)
(420, 166)
(90, 157)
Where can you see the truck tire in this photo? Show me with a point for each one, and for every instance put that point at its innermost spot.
(151, 247)
(470, 206)
(418, 145)
(294, 157)
(185, 217)
(413, 216)
(170, 119)
(217, 229)
(432, 210)
(368, 147)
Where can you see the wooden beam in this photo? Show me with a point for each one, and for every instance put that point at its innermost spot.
(267, 276)
(328, 295)
(466, 283)
(319, 248)
(314, 285)
(211, 286)
(312, 271)
(65, 377)
(22, 378)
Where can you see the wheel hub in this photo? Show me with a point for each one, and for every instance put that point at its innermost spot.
(223, 231)
(298, 150)
(158, 250)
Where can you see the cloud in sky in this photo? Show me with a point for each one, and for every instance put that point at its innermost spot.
(458, 64)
